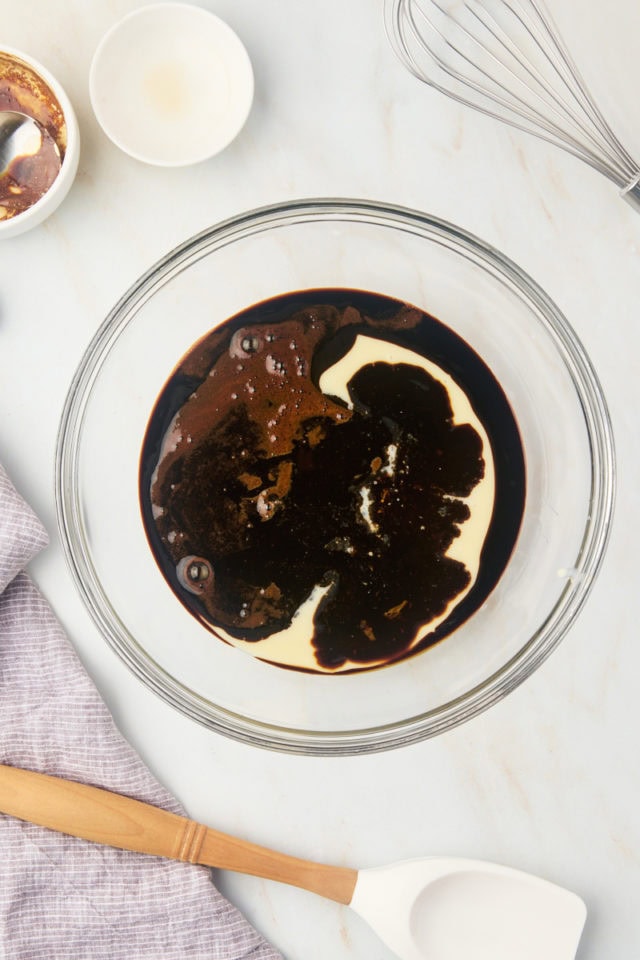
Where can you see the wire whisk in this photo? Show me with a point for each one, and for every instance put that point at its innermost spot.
(506, 59)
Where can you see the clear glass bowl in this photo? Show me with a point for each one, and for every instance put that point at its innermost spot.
(472, 288)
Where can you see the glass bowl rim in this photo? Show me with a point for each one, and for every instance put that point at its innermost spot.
(510, 675)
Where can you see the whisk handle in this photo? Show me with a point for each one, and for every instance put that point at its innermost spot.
(632, 195)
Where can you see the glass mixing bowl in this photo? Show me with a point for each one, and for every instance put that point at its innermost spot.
(509, 321)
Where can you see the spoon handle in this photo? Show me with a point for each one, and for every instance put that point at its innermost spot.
(111, 819)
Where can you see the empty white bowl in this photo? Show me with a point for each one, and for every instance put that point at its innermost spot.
(171, 84)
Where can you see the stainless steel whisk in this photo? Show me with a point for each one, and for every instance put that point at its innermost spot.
(506, 59)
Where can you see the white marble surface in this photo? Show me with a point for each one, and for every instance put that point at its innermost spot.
(547, 781)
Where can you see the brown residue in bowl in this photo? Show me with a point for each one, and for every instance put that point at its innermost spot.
(23, 90)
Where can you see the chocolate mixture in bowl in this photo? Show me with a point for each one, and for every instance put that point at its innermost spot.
(332, 480)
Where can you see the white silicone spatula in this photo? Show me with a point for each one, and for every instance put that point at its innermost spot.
(432, 909)
(443, 908)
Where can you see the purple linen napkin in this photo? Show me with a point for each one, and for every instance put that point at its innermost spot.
(60, 897)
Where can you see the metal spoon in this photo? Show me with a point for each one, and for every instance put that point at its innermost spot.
(22, 136)
(432, 909)
(29, 160)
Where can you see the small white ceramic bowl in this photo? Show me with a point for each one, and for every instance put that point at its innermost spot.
(58, 190)
(171, 84)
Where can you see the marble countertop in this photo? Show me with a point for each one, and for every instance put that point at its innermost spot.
(548, 780)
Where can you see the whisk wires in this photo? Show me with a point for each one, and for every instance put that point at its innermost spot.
(506, 59)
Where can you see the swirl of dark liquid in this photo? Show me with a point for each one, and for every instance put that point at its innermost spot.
(257, 489)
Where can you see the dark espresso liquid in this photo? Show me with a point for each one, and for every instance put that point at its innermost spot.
(260, 491)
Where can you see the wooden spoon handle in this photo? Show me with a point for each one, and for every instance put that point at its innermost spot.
(109, 818)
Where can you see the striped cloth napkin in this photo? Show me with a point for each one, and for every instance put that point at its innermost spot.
(63, 898)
